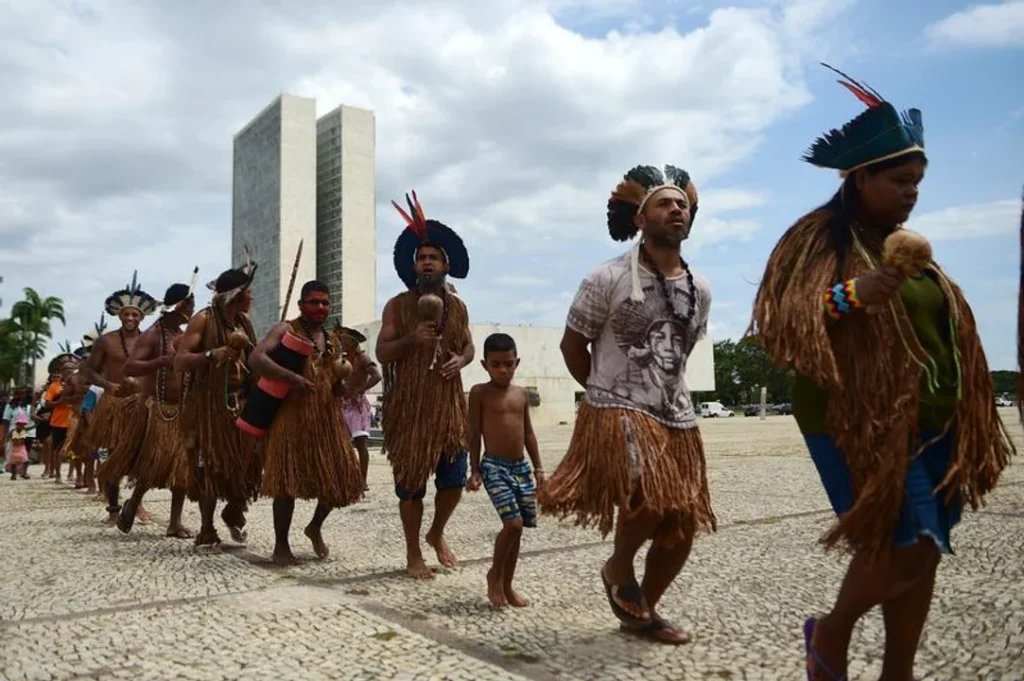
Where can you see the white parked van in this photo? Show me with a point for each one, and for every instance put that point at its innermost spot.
(713, 410)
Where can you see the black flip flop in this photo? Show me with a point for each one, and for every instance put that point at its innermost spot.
(650, 631)
(630, 593)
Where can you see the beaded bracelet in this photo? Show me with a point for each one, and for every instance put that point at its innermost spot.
(841, 299)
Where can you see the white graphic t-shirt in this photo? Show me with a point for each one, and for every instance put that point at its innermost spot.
(640, 349)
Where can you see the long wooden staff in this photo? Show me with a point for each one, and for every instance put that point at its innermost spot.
(291, 282)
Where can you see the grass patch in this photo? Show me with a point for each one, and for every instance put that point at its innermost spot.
(358, 592)
(386, 635)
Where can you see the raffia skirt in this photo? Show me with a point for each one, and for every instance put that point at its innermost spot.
(162, 461)
(108, 419)
(309, 452)
(622, 459)
(132, 429)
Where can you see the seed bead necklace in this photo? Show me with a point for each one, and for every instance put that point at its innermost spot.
(666, 291)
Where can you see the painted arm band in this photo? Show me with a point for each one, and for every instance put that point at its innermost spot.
(841, 299)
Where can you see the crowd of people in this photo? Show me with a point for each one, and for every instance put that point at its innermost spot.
(199, 405)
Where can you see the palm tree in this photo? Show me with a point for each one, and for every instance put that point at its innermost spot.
(33, 317)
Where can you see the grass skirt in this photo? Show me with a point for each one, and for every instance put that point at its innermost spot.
(108, 420)
(162, 461)
(132, 429)
(624, 459)
(309, 451)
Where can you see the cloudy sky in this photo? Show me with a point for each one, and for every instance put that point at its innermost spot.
(512, 119)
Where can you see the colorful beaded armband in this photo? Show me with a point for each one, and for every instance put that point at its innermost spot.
(841, 299)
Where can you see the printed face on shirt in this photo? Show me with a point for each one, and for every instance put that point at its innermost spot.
(665, 340)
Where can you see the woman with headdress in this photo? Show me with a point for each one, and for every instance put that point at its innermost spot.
(636, 448)
(224, 463)
(892, 390)
(425, 417)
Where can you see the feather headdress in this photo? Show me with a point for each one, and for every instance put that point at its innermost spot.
(639, 185)
(878, 134)
(90, 337)
(65, 356)
(131, 297)
(419, 231)
(248, 272)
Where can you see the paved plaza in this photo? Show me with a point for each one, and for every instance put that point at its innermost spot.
(80, 601)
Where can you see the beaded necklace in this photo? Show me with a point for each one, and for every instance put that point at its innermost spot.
(328, 348)
(161, 381)
(667, 292)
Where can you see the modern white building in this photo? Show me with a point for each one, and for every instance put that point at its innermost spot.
(346, 225)
(297, 179)
(274, 201)
(541, 367)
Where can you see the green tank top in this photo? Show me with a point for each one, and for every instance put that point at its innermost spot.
(929, 314)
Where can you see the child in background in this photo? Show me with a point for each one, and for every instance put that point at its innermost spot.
(17, 462)
(500, 413)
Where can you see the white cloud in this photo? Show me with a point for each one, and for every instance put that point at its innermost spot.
(969, 222)
(116, 147)
(992, 25)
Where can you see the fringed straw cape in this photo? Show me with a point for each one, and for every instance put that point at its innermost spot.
(232, 460)
(424, 415)
(871, 366)
(599, 474)
(309, 453)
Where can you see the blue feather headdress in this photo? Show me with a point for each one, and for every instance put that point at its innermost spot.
(418, 231)
(878, 134)
(131, 297)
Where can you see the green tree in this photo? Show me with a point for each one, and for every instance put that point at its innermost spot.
(741, 368)
(32, 316)
(1005, 382)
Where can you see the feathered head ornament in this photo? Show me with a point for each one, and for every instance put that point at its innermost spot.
(131, 297)
(878, 134)
(356, 336)
(232, 282)
(420, 231)
(636, 188)
(90, 337)
(66, 356)
(179, 293)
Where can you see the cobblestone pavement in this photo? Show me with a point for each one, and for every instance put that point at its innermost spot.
(79, 601)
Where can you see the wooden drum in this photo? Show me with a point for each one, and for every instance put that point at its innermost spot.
(266, 396)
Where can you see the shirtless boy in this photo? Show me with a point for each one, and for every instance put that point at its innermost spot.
(499, 412)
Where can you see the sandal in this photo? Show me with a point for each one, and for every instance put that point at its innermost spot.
(629, 593)
(659, 630)
(813, 656)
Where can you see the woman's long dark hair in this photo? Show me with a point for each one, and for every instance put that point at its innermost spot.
(844, 206)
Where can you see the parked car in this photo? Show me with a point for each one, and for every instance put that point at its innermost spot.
(784, 409)
(753, 410)
(1003, 401)
(712, 410)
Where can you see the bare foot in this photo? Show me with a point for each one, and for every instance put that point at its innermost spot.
(284, 558)
(319, 547)
(444, 554)
(112, 519)
(178, 532)
(495, 591)
(514, 599)
(417, 569)
(828, 648)
(143, 516)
